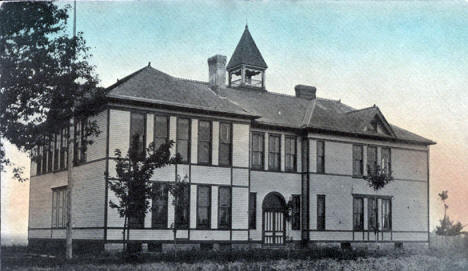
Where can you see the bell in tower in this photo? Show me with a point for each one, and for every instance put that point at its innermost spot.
(246, 68)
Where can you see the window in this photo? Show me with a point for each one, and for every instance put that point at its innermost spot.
(59, 207)
(290, 153)
(321, 212)
(224, 211)
(274, 153)
(225, 144)
(56, 151)
(386, 160)
(358, 214)
(386, 214)
(371, 159)
(39, 160)
(64, 148)
(320, 157)
(45, 151)
(50, 153)
(159, 206)
(204, 142)
(182, 209)
(161, 130)
(357, 160)
(79, 153)
(296, 212)
(203, 207)
(372, 214)
(258, 148)
(137, 133)
(252, 211)
(183, 139)
(304, 156)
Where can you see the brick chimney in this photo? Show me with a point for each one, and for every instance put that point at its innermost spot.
(217, 71)
(305, 92)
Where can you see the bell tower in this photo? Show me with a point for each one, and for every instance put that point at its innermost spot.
(246, 68)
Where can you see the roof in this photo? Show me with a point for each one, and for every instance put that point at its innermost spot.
(153, 86)
(247, 53)
(262, 107)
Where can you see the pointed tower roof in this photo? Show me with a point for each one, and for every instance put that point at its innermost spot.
(247, 53)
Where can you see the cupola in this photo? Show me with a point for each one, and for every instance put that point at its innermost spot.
(246, 68)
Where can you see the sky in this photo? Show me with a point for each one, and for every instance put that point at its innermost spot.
(410, 58)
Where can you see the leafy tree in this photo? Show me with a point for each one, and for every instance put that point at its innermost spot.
(132, 185)
(447, 227)
(45, 76)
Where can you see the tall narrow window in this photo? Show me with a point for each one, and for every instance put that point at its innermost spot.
(161, 130)
(137, 133)
(274, 153)
(182, 209)
(320, 157)
(183, 139)
(50, 153)
(79, 153)
(204, 142)
(56, 151)
(290, 153)
(64, 148)
(386, 160)
(357, 160)
(225, 144)
(59, 207)
(84, 145)
(203, 207)
(296, 212)
(159, 206)
(321, 212)
(358, 214)
(372, 214)
(386, 214)
(305, 155)
(224, 211)
(45, 152)
(252, 210)
(258, 148)
(372, 159)
(39, 160)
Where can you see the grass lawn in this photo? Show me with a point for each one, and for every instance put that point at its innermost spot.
(324, 259)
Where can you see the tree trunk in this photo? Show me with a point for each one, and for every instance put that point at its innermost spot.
(124, 244)
(69, 233)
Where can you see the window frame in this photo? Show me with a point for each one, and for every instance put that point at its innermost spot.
(221, 143)
(201, 225)
(293, 168)
(321, 219)
(164, 187)
(220, 225)
(361, 168)
(319, 157)
(359, 227)
(189, 143)
(155, 137)
(270, 152)
(296, 212)
(210, 142)
(374, 167)
(262, 148)
(59, 207)
(252, 210)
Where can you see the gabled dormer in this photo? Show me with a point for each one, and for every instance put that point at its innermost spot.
(371, 121)
(246, 68)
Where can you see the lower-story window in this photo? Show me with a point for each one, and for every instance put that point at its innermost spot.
(358, 214)
(203, 207)
(296, 212)
(224, 211)
(372, 214)
(386, 214)
(321, 212)
(252, 210)
(59, 207)
(182, 209)
(159, 206)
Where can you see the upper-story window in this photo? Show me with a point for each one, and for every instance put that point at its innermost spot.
(305, 156)
(137, 132)
(183, 139)
(386, 160)
(79, 152)
(64, 148)
(372, 158)
(204, 142)
(56, 150)
(225, 144)
(274, 153)
(357, 160)
(45, 151)
(258, 148)
(320, 157)
(290, 153)
(161, 130)
(50, 153)
(39, 160)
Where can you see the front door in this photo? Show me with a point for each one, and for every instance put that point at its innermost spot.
(274, 224)
(273, 228)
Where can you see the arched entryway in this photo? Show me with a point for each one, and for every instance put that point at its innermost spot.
(274, 224)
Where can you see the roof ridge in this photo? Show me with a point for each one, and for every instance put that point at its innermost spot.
(190, 80)
(362, 109)
(126, 78)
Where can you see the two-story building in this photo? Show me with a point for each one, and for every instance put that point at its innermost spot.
(262, 168)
